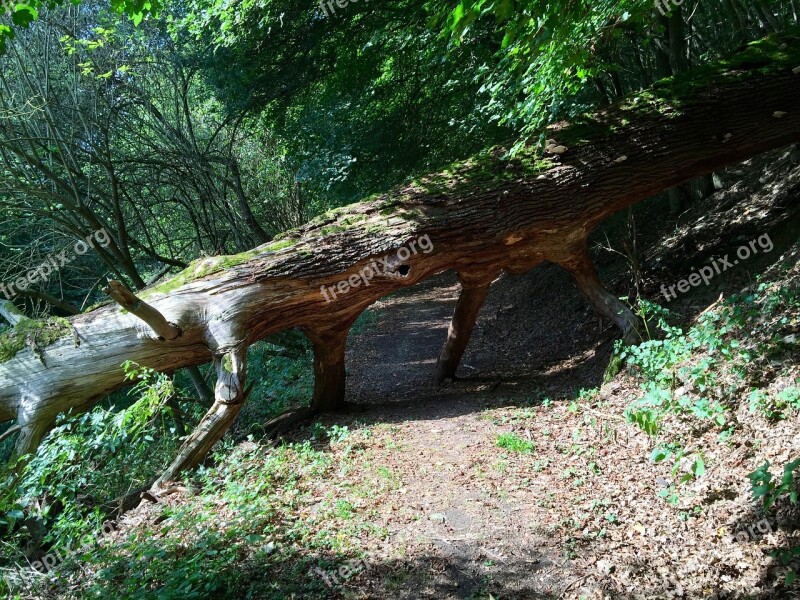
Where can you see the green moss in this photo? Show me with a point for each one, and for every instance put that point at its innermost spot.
(196, 270)
(203, 267)
(11, 307)
(291, 233)
(97, 305)
(354, 219)
(346, 220)
(40, 334)
(331, 229)
(777, 52)
(281, 245)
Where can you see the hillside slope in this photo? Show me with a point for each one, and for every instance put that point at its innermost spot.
(528, 477)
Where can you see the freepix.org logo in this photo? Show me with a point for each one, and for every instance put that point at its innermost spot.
(717, 267)
(54, 263)
(665, 6)
(376, 267)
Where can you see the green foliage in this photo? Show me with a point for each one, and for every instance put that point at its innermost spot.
(26, 12)
(778, 406)
(68, 487)
(770, 490)
(699, 373)
(553, 57)
(673, 452)
(281, 383)
(367, 98)
(645, 419)
(192, 556)
(514, 443)
(336, 433)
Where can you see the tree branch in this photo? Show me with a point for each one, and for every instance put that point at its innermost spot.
(125, 298)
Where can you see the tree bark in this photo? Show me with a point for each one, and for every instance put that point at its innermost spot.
(604, 302)
(329, 371)
(470, 300)
(487, 214)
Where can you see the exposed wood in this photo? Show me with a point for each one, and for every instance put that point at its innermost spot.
(485, 215)
(229, 397)
(126, 299)
(10, 313)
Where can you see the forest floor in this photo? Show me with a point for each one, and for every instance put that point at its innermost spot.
(522, 479)
(576, 512)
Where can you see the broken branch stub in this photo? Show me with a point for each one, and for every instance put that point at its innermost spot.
(127, 300)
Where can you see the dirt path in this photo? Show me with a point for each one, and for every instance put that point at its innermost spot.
(577, 514)
(463, 530)
(532, 328)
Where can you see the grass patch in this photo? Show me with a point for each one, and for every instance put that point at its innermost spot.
(514, 443)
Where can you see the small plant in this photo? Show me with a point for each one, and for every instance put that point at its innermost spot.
(674, 452)
(645, 419)
(338, 433)
(763, 485)
(344, 509)
(775, 407)
(514, 443)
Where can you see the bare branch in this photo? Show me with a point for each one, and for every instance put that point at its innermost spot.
(125, 298)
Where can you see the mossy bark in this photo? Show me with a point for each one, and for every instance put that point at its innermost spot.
(487, 214)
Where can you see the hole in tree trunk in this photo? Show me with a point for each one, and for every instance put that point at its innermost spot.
(404, 270)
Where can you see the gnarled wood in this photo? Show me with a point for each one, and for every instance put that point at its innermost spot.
(485, 215)
(229, 397)
(604, 302)
(127, 300)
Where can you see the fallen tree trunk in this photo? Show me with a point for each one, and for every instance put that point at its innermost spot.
(483, 216)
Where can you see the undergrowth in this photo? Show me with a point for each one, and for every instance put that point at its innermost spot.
(742, 351)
